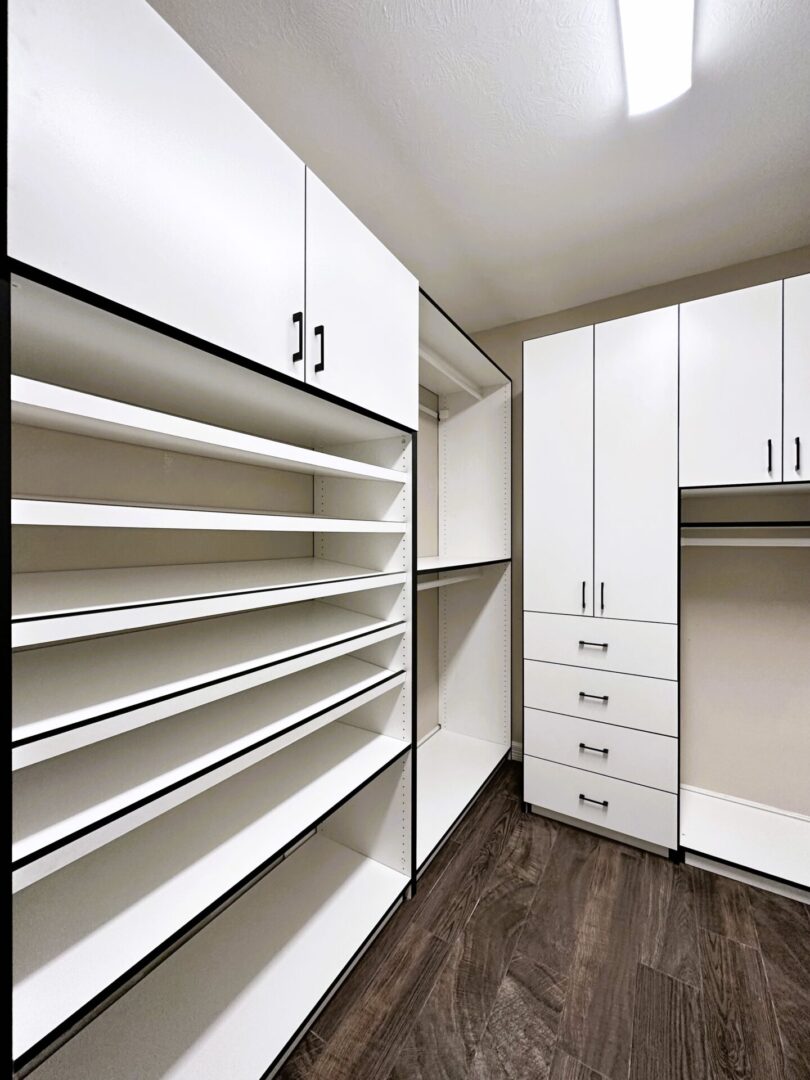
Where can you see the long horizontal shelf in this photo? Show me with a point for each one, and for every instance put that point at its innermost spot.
(71, 695)
(101, 515)
(41, 404)
(76, 803)
(435, 564)
(248, 983)
(58, 605)
(452, 768)
(123, 905)
(745, 534)
(449, 360)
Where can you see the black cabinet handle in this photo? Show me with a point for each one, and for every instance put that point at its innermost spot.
(770, 455)
(596, 697)
(593, 644)
(798, 454)
(319, 332)
(583, 595)
(597, 802)
(596, 749)
(298, 320)
(602, 596)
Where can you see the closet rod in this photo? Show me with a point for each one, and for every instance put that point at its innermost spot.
(438, 583)
(425, 410)
(446, 368)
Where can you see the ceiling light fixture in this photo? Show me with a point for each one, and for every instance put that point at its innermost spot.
(657, 45)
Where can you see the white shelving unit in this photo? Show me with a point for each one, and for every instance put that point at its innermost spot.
(212, 640)
(464, 486)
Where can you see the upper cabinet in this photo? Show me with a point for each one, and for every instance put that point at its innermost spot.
(136, 173)
(362, 305)
(796, 456)
(731, 388)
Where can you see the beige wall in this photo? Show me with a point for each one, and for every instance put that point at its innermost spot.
(505, 345)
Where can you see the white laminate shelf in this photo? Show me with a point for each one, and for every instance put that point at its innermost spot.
(73, 804)
(452, 769)
(112, 918)
(70, 695)
(246, 984)
(108, 515)
(435, 564)
(41, 404)
(55, 606)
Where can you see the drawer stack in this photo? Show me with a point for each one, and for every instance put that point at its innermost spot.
(601, 722)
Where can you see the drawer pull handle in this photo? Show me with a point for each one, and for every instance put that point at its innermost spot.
(596, 749)
(596, 697)
(596, 802)
(593, 644)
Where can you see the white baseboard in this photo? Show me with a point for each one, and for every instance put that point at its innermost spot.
(748, 877)
(517, 750)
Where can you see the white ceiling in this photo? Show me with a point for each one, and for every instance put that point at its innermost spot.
(486, 142)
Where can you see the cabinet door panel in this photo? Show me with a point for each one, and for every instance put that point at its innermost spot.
(731, 388)
(137, 173)
(797, 379)
(367, 305)
(558, 473)
(636, 467)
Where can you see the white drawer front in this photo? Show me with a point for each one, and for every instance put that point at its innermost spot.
(632, 701)
(636, 811)
(603, 748)
(636, 648)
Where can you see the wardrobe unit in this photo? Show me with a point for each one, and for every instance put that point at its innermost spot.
(464, 574)
(666, 694)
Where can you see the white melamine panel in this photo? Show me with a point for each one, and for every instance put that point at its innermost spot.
(731, 388)
(796, 460)
(122, 144)
(633, 701)
(44, 405)
(368, 306)
(558, 473)
(451, 770)
(612, 645)
(636, 467)
(111, 918)
(455, 351)
(274, 957)
(631, 809)
(637, 756)
(763, 838)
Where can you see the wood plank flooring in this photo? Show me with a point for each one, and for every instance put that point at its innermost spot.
(535, 951)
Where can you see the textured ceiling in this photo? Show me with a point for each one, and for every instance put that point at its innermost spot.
(486, 142)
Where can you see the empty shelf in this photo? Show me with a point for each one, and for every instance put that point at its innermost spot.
(122, 905)
(70, 695)
(246, 985)
(73, 804)
(42, 404)
(745, 534)
(103, 515)
(451, 769)
(55, 606)
(434, 564)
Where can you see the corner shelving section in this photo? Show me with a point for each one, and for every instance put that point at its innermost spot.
(464, 575)
(213, 725)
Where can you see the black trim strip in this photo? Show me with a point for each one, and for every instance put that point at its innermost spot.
(463, 566)
(67, 288)
(199, 686)
(747, 869)
(463, 332)
(70, 838)
(720, 488)
(152, 959)
(743, 524)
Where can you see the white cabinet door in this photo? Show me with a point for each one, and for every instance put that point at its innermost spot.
(731, 388)
(362, 313)
(796, 462)
(558, 473)
(636, 467)
(136, 173)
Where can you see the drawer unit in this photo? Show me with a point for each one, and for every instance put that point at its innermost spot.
(602, 748)
(631, 701)
(641, 812)
(636, 648)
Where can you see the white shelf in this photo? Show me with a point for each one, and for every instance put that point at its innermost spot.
(92, 797)
(86, 691)
(461, 364)
(41, 404)
(435, 564)
(126, 900)
(247, 983)
(451, 769)
(101, 515)
(66, 604)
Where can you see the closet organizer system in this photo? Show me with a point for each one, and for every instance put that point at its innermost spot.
(214, 586)
(667, 684)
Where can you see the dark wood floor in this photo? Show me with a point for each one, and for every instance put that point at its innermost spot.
(533, 950)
